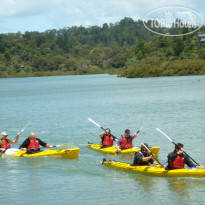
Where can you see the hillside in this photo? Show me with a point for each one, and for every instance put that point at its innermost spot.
(125, 48)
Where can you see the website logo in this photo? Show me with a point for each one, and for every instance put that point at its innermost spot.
(173, 21)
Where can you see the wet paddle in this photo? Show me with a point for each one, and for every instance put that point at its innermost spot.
(150, 152)
(141, 128)
(99, 125)
(25, 127)
(63, 145)
(176, 145)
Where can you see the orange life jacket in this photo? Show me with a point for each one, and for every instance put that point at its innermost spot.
(6, 144)
(108, 141)
(34, 144)
(126, 143)
(178, 163)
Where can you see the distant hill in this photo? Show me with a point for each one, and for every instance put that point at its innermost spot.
(125, 48)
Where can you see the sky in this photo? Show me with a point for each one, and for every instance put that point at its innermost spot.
(41, 15)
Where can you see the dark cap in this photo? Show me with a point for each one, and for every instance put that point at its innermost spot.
(127, 131)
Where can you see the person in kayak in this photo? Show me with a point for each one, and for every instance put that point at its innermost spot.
(177, 159)
(32, 143)
(107, 138)
(125, 141)
(6, 143)
(142, 157)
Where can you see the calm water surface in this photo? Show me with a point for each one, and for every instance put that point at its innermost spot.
(58, 108)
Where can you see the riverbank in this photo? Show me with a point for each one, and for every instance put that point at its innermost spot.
(148, 67)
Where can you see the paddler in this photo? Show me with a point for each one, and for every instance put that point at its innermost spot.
(142, 157)
(107, 138)
(32, 143)
(125, 141)
(177, 159)
(6, 143)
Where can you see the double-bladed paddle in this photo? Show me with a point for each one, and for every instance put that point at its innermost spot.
(176, 145)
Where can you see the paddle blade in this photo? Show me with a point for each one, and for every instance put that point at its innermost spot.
(164, 135)
(25, 127)
(94, 122)
(11, 151)
(63, 145)
(141, 128)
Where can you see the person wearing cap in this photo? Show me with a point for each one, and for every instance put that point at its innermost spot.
(6, 143)
(107, 138)
(125, 141)
(142, 157)
(32, 143)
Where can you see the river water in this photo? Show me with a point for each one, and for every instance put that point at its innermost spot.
(58, 108)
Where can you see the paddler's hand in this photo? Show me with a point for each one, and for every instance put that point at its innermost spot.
(200, 167)
(25, 149)
(153, 156)
(180, 152)
(118, 151)
(49, 145)
(3, 149)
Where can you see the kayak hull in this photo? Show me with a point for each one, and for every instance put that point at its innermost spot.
(155, 171)
(67, 153)
(112, 150)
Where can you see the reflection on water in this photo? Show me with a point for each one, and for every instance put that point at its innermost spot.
(183, 186)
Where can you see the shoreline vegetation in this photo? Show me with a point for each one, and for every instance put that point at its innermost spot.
(125, 48)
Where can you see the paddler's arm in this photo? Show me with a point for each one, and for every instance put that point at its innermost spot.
(188, 162)
(17, 138)
(102, 134)
(147, 158)
(135, 135)
(42, 143)
(117, 146)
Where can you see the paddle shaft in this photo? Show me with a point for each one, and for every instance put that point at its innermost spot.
(151, 153)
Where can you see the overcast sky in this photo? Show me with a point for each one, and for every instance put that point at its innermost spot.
(41, 15)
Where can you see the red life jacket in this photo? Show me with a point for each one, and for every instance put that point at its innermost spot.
(34, 144)
(6, 144)
(108, 141)
(126, 143)
(178, 163)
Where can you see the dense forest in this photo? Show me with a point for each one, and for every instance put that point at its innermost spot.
(125, 48)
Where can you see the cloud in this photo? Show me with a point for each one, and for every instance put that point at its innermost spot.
(26, 8)
(54, 14)
(88, 12)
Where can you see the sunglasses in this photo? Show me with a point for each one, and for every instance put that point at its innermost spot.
(144, 150)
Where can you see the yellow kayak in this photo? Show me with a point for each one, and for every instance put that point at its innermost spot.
(68, 153)
(112, 150)
(156, 171)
